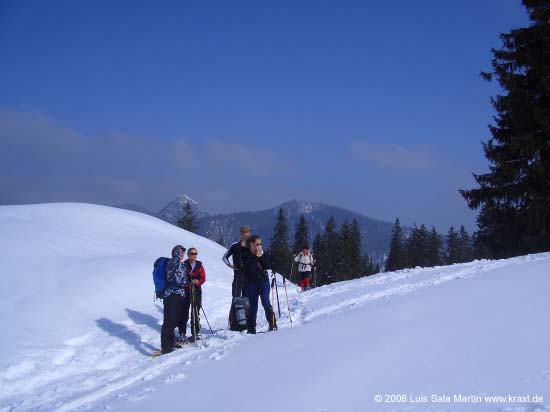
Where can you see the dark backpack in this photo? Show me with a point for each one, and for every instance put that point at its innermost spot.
(238, 314)
(159, 276)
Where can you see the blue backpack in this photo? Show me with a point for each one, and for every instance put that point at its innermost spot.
(159, 276)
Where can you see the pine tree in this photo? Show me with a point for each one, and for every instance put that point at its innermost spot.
(453, 247)
(435, 245)
(320, 256)
(188, 221)
(280, 253)
(332, 247)
(396, 257)
(343, 254)
(220, 240)
(359, 266)
(513, 197)
(465, 247)
(417, 247)
(301, 235)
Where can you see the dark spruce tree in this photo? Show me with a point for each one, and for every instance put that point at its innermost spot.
(188, 221)
(397, 255)
(343, 254)
(358, 265)
(279, 251)
(435, 247)
(453, 254)
(320, 256)
(301, 235)
(417, 247)
(514, 197)
(331, 242)
(465, 245)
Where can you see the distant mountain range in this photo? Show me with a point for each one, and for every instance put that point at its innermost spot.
(225, 227)
(376, 233)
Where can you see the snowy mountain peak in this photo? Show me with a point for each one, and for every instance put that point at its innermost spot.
(174, 210)
(183, 198)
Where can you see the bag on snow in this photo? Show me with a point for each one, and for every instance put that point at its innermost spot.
(238, 314)
(159, 276)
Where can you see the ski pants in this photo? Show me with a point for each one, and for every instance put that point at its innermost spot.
(304, 279)
(255, 290)
(195, 312)
(173, 306)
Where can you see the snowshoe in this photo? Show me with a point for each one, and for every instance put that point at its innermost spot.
(182, 340)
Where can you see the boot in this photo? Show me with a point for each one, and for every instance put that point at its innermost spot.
(252, 324)
(271, 320)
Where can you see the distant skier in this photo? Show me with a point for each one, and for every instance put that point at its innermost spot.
(235, 251)
(197, 276)
(305, 266)
(255, 265)
(174, 295)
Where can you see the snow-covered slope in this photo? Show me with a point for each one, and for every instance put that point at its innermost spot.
(472, 329)
(65, 266)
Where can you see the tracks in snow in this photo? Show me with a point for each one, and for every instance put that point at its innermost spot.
(114, 358)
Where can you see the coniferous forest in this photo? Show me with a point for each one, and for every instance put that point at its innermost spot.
(513, 198)
(337, 251)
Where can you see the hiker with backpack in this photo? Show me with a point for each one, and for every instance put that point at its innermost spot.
(255, 264)
(235, 252)
(173, 295)
(193, 297)
(305, 266)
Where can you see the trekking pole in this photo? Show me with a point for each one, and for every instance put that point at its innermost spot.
(273, 300)
(194, 313)
(273, 292)
(209, 327)
(287, 302)
(277, 292)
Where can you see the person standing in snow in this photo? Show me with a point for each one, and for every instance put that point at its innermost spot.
(235, 251)
(176, 283)
(255, 264)
(305, 265)
(193, 297)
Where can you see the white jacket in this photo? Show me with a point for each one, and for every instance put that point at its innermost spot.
(305, 263)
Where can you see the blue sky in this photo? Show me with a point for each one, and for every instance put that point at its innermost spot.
(373, 106)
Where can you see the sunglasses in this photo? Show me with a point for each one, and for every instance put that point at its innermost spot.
(194, 253)
(257, 244)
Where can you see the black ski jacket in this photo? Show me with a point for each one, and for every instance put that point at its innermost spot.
(254, 268)
(235, 251)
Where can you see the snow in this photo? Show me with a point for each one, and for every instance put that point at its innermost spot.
(79, 323)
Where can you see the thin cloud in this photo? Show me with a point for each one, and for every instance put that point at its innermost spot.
(237, 155)
(395, 157)
(43, 160)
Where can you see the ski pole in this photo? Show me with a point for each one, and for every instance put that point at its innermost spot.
(291, 269)
(273, 293)
(287, 303)
(277, 292)
(194, 313)
(209, 327)
(273, 300)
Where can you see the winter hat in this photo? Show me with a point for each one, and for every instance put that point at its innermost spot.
(178, 251)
